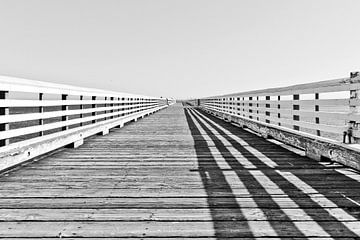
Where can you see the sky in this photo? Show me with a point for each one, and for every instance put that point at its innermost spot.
(179, 48)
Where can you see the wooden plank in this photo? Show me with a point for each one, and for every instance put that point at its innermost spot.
(194, 214)
(175, 238)
(156, 191)
(172, 203)
(162, 229)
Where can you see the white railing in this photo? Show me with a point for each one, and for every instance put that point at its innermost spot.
(323, 118)
(35, 114)
(329, 108)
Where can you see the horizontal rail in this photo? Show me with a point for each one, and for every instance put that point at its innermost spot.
(61, 114)
(52, 103)
(325, 102)
(50, 126)
(337, 85)
(54, 114)
(12, 84)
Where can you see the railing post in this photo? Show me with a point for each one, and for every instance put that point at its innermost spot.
(64, 108)
(353, 130)
(317, 109)
(122, 109)
(237, 106)
(267, 106)
(279, 107)
(250, 107)
(243, 104)
(93, 106)
(118, 110)
(119, 113)
(257, 108)
(126, 104)
(4, 111)
(81, 108)
(112, 105)
(41, 110)
(296, 107)
(106, 98)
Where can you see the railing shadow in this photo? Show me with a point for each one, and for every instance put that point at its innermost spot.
(217, 186)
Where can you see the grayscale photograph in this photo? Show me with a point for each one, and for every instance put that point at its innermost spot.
(179, 119)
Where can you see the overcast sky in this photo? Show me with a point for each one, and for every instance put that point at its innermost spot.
(179, 48)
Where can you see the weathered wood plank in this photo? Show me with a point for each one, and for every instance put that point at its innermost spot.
(182, 238)
(181, 215)
(161, 229)
(158, 192)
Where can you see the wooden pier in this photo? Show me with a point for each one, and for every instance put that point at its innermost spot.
(179, 173)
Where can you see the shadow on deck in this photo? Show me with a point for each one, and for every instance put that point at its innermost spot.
(281, 193)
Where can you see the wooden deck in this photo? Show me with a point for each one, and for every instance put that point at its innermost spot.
(179, 174)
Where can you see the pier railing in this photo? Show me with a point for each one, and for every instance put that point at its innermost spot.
(303, 115)
(38, 117)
